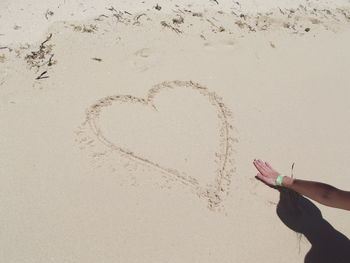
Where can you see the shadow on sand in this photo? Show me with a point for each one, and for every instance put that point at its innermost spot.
(302, 216)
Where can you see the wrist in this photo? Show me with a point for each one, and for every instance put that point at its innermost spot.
(287, 181)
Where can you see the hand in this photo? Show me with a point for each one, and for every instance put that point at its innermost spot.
(266, 173)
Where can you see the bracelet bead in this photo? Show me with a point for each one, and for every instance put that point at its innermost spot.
(279, 180)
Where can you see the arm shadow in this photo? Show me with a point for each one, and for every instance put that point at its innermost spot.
(302, 216)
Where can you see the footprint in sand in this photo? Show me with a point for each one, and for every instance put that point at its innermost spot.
(144, 52)
(141, 59)
(179, 128)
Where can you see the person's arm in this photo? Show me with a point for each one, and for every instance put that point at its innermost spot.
(320, 192)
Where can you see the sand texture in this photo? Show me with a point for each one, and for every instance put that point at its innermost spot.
(128, 130)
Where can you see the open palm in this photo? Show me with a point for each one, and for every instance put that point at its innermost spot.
(266, 173)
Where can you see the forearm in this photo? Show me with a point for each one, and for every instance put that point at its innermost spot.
(319, 192)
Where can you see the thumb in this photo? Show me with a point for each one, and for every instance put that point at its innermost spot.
(260, 176)
(263, 179)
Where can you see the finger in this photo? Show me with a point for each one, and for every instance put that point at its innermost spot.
(262, 163)
(258, 161)
(260, 176)
(268, 165)
(260, 167)
(261, 170)
(257, 165)
(265, 166)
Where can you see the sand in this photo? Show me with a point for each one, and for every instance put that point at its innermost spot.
(127, 132)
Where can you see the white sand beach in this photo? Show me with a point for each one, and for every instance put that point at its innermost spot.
(128, 128)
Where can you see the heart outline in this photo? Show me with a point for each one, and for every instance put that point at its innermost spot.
(213, 193)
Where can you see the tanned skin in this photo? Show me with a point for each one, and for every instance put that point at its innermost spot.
(322, 193)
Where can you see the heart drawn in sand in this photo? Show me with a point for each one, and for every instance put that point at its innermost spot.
(180, 128)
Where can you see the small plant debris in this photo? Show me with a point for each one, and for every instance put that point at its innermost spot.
(85, 28)
(42, 75)
(243, 25)
(38, 58)
(158, 7)
(48, 13)
(221, 29)
(112, 9)
(101, 17)
(165, 24)
(197, 14)
(51, 62)
(97, 59)
(89, 29)
(215, 27)
(136, 18)
(178, 20)
(120, 15)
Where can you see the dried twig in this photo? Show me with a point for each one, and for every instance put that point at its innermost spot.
(47, 39)
(112, 9)
(99, 18)
(165, 24)
(138, 17)
(41, 76)
(97, 59)
(50, 62)
(219, 28)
